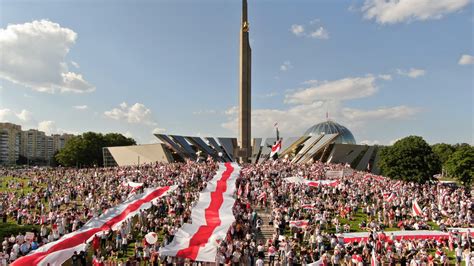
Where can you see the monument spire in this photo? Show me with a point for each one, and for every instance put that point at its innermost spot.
(245, 99)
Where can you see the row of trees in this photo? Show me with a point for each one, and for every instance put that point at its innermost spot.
(86, 149)
(412, 159)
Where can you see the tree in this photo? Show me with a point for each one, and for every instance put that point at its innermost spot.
(409, 159)
(86, 149)
(461, 164)
(443, 151)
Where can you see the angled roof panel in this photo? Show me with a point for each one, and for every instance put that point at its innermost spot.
(185, 145)
(218, 148)
(365, 160)
(228, 145)
(307, 145)
(323, 142)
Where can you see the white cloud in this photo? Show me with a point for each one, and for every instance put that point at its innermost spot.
(317, 31)
(394, 140)
(342, 89)
(80, 107)
(5, 114)
(385, 77)
(128, 134)
(232, 110)
(320, 33)
(391, 113)
(370, 142)
(310, 105)
(158, 130)
(293, 121)
(33, 55)
(297, 30)
(49, 127)
(396, 11)
(286, 66)
(134, 114)
(24, 115)
(466, 60)
(412, 73)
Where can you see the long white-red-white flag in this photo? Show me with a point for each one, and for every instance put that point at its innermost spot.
(312, 183)
(211, 219)
(299, 223)
(407, 235)
(417, 211)
(57, 252)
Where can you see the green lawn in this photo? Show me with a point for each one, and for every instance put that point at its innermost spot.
(5, 180)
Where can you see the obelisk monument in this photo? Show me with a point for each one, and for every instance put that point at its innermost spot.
(245, 101)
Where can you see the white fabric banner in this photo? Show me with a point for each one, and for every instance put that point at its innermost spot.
(57, 252)
(211, 219)
(418, 234)
(311, 183)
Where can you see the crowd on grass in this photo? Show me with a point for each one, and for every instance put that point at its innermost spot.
(60, 201)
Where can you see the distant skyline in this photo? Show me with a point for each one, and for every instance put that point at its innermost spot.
(384, 69)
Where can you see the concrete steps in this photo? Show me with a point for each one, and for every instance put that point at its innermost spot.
(266, 230)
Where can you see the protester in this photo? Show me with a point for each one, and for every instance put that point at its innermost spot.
(307, 220)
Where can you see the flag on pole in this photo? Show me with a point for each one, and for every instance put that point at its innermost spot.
(276, 148)
(416, 208)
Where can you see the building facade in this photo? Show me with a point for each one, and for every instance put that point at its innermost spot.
(9, 143)
(32, 145)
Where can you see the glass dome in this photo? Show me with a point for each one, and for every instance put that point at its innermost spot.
(331, 127)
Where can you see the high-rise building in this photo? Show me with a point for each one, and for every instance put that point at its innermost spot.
(33, 145)
(9, 143)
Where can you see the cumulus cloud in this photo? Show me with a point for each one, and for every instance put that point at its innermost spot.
(134, 114)
(397, 11)
(4, 114)
(412, 73)
(308, 106)
(314, 30)
(80, 107)
(342, 89)
(24, 115)
(320, 33)
(33, 55)
(297, 30)
(48, 127)
(286, 66)
(466, 60)
(385, 77)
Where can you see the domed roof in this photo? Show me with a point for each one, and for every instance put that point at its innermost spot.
(331, 127)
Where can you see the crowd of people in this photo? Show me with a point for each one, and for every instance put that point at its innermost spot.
(59, 201)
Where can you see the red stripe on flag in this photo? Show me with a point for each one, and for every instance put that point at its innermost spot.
(82, 237)
(202, 235)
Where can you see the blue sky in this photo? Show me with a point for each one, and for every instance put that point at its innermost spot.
(385, 69)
